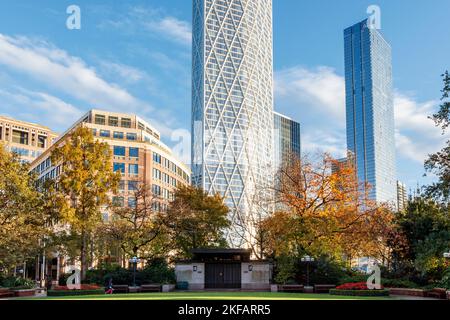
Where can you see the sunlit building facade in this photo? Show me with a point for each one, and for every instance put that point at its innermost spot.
(27, 140)
(287, 139)
(370, 110)
(232, 104)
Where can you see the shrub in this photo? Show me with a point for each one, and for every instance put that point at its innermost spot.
(354, 286)
(285, 271)
(360, 293)
(63, 293)
(158, 271)
(17, 283)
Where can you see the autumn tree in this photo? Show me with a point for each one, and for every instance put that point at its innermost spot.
(138, 228)
(439, 163)
(86, 182)
(325, 211)
(22, 220)
(196, 220)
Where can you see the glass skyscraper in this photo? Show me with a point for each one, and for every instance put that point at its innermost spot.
(370, 110)
(287, 139)
(232, 105)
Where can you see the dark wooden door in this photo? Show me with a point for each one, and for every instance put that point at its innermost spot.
(223, 276)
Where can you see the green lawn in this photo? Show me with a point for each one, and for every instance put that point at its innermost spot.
(215, 296)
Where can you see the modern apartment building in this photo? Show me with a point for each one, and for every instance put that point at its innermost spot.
(138, 154)
(370, 110)
(287, 139)
(28, 140)
(232, 104)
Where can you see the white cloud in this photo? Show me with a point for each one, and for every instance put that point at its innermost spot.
(38, 107)
(318, 90)
(316, 98)
(173, 29)
(56, 68)
(153, 22)
(127, 73)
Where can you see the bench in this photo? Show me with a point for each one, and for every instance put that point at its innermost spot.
(121, 288)
(292, 288)
(437, 293)
(323, 288)
(151, 288)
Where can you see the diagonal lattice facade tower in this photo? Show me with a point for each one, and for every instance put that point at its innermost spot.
(232, 106)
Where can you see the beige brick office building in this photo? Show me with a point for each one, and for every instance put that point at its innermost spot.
(137, 152)
(27, 139)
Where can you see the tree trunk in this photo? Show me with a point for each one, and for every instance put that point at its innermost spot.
(83, 257)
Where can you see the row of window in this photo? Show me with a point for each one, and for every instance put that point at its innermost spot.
(131, 203)
(164, 177)
(133, 169)
(120, 151)
(166, 163)
(116, 135)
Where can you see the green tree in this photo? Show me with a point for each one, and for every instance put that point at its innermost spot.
(439, 163)
(86, 182)
(138, 229)
(196, 220)
(426, 226)
(22, 220)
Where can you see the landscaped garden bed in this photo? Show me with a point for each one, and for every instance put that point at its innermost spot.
(358, 289)
(85, 290)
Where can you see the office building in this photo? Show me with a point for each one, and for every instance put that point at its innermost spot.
(287, 140)
(370, 110)
(28, 140)
(137, 152)
(232, 105)
(402, 196)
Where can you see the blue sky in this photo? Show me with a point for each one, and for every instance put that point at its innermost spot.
(136, 56)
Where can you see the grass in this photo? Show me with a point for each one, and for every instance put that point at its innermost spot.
(213, 296)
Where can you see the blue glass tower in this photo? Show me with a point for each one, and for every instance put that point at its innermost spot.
(370, 110)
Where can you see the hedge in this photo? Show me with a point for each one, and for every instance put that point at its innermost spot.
(65, 293)
(360, 293)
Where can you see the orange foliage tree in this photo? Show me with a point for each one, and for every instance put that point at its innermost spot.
(324, 210)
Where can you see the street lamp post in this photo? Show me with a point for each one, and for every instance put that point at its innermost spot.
(134, 261)
(308, 260)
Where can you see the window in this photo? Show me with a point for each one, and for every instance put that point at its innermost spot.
(122, 185)
(42, 141)
(118, 201)
(132, 185)
(132, 136)
(156, 157)
(118, 135)
(125, 123)
(94, 132)
(119, 167)
(141, 126)
(156, 190)
(133, 169)
(134, 152)
(132, 202)
(156, 174)
(119, 151)
(105, 133)
(100, 119)
(20, 137)
(20, 151)
(113, 121)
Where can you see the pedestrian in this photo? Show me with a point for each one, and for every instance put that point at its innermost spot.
(109, 286)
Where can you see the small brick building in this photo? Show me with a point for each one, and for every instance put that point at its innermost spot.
(224, 269)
